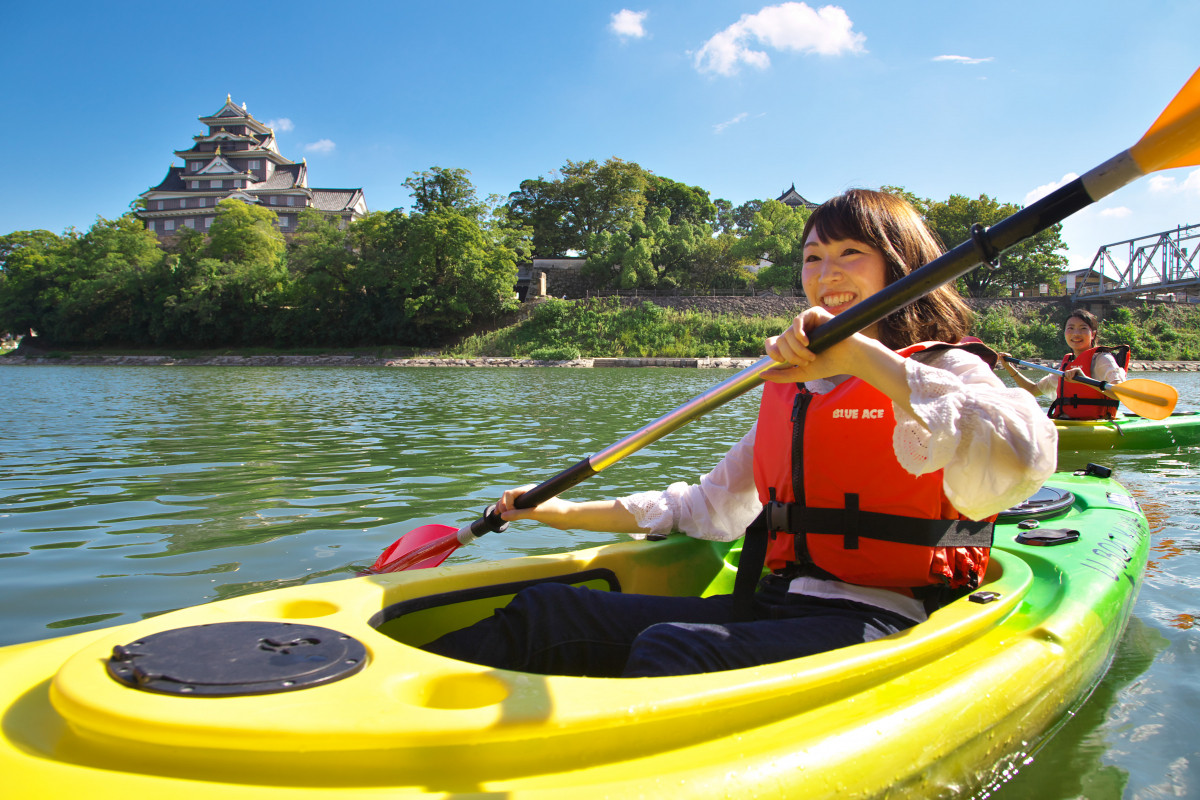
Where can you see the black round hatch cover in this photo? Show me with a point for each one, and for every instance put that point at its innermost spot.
(226, 659)
(1048, 501)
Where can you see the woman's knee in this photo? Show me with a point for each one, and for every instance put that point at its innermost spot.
(672, 648)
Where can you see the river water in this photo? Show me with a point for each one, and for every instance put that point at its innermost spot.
(129, 491)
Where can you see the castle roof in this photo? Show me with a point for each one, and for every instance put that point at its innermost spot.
(794, 199)
(337, 199)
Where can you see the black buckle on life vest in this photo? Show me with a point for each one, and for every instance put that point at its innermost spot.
(778, 516)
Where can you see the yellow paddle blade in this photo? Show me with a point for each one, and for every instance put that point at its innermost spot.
(1146, 398)
(1174, 138)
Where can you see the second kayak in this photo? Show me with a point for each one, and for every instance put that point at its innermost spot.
(1129, 432)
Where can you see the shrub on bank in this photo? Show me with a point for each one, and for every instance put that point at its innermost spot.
(602, 327)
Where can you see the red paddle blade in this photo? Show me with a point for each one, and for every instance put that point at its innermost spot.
(420, 548)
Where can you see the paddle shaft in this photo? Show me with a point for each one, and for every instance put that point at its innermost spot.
(1085, 380)
(1121, 389)
(984, 246)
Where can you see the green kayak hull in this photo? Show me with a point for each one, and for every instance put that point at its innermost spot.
(1129, 433)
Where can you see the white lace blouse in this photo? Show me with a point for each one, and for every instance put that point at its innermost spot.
(994, 443)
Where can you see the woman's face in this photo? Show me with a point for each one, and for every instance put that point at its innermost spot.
(841, 273)
(1078, 335)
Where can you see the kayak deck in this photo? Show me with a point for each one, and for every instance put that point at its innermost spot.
(939, 705)
(1130, 432)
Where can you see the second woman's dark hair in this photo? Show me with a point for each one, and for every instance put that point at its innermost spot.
(1088, 318)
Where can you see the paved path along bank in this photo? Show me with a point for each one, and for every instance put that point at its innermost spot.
(431, 361)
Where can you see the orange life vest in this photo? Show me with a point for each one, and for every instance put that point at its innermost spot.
(1077, 401)
(858, 514)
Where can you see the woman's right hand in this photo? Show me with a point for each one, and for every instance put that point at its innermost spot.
(547, 511)
(587, 515)
(506, 508)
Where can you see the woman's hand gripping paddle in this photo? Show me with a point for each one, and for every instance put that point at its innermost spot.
(1142, 396)
(1172, 141)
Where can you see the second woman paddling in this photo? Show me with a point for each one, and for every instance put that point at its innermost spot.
(870, 479)
(1074, 400)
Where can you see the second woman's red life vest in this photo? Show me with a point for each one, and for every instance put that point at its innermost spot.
(1077, 401)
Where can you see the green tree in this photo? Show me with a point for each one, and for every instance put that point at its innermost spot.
(540, 205)
(774, 234)
(715, 269)
(379, 241)
(687, 204)
(650, 253)
(452, 273)
(245, 234)
(743, 215)
(31, 285)
(441, 189)
(1037, 260)
(587, 198)
(115, 267)
(229, 291)
(324, 286)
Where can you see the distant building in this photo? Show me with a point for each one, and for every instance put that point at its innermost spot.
(238, 158)
(794, 199)
(1085, 281)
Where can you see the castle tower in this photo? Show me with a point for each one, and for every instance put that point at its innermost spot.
(238, 158)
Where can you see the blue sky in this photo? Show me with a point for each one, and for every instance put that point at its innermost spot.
(740, 98)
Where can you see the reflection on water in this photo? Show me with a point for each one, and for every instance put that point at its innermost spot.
(126, 492)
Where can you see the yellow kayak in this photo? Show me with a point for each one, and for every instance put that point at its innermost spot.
(319, 691)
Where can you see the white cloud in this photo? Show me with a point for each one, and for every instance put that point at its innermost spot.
(1045, 189)
(628, 24)
(964, 59)
(320, 146)
(721, 126)
(1166, 184)
(282, 124)
(1119, 212)
(788, 26)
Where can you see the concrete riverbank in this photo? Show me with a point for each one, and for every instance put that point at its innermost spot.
(435, 361)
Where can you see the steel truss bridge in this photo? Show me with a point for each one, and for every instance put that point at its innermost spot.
(1160, 264)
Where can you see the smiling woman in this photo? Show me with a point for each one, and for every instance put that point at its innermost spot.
(860, 396)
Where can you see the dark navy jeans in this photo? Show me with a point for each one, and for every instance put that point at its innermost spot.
(557, 629)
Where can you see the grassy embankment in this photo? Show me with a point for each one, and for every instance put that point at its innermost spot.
(565, 329)
(602, 327)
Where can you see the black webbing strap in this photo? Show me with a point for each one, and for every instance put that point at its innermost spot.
(750, 565)
(1059, 403)
(853, 523)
